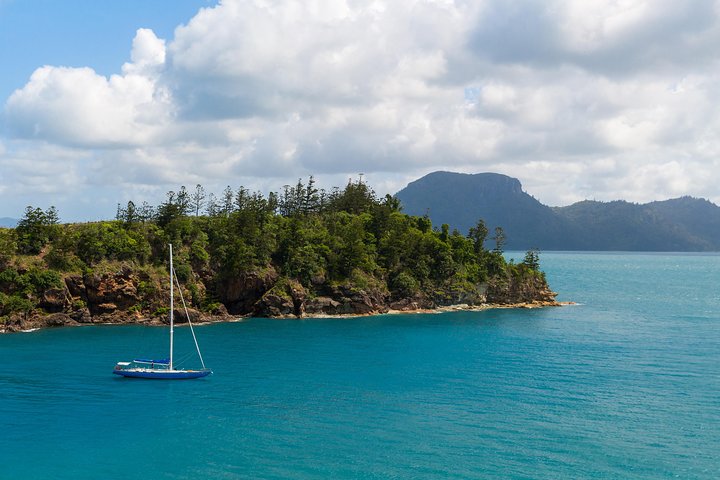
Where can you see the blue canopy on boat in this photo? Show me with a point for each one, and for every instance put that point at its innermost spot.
(162, 361)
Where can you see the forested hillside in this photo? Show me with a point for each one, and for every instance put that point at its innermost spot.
(302, 251)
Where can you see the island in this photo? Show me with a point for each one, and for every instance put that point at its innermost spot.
(300, 252)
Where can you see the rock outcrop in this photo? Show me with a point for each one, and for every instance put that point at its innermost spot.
(135, 296)
(110, 292)
(240, 294)
(528, 290)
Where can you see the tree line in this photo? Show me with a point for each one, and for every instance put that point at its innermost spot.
(299, 199)
(315, 237)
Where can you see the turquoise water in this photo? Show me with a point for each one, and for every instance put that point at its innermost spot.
(626, 384)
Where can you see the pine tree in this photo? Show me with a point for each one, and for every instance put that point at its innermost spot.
(241, 199)
(227, 205)
(35, 229)
(478, 234)
(499, 240)
(147, 212)
(198, 199)
(311, 199)
(211, 207)
(532, 259)
(183, 201)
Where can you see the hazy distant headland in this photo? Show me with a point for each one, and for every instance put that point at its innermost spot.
(301, 252)
(683, 224)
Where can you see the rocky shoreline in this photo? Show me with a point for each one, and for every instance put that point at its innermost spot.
(35, 323)
(131, 296)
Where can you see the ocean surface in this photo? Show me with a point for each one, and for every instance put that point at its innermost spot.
(623, 385)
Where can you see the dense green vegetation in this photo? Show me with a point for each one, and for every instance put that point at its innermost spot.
(319, 239)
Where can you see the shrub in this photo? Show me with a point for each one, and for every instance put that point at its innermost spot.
(404, 284)
(13, 303)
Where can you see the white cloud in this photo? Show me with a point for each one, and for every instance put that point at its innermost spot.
(148, 53)
(591, 25)
(602, 99)
(76, 106)
(245, 59)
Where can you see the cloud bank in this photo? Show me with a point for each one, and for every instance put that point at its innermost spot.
(600, 99)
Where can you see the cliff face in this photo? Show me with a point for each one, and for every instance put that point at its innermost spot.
(132, 296)
(126, 296)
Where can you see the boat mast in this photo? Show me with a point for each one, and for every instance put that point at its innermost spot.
(187, 315)
(171, 307)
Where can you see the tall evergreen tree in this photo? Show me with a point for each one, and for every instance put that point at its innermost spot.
(146, 212)
(227, 201)
(478, 234)
(198, 199)
(183, 201)
(311, 199)
(532, 259)
(35, 229)
(241, 198)
(169, 210)
(499, 240)
(211, 207)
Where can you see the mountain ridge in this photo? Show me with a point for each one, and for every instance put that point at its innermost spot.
(460, 200)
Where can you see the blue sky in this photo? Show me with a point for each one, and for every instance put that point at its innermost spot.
(102, 102)
(79, 33)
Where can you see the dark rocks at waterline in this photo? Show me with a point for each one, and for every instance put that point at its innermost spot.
(133, 297)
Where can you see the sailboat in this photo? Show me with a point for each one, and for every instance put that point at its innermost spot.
(164, 369)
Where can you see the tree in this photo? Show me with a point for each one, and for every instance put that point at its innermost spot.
(146, 212)
(357, 197)
(532, 259)
(198, 199)
(392, 202)
(211, 207)
(35, 229)
(241, 198)
(183, 201)
(227, 201)
(91, 243)
(311, 199)
(298, 194)
(499, 240)
(129, 214)
(444, 232)
(478, 234)
(424, 223)
(284, 202)
(273, 202)
(168, 210)
(51, 216)
(8, 245)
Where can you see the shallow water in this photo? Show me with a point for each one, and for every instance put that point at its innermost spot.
(626, 384)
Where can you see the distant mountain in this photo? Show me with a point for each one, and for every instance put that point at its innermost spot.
(682, 224)
(7, 222)
(621, 225)
(460, 200)
(697, 216)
